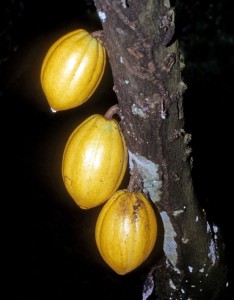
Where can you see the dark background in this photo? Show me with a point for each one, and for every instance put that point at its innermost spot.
(51, 251)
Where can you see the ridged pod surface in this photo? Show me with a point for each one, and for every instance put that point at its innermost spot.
(72, 69)
(94, 161)
(126, 231)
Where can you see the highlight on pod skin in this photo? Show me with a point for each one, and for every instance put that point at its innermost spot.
(95, 160)
(72, 69)
(126, 231)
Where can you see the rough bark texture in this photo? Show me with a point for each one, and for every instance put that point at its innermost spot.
(146, 68)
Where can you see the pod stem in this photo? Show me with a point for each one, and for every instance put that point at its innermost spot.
(135, 182)
(111, 111)
(131, 185)
(99, 34)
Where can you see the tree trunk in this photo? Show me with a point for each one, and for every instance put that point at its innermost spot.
(146, 67)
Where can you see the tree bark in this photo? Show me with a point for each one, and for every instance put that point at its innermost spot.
(146, 67)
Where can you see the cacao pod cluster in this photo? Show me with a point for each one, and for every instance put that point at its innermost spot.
(95, 157)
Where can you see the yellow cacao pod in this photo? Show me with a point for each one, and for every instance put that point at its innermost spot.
(72, 69)
(94, 161)
(126, 231)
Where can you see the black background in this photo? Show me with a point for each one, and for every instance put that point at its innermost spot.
(51, 251)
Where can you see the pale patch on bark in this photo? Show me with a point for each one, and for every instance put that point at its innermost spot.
(202, 270)
(184, 240)
(172, 285)
(212, 252)
(167, 3)
(124, 3)
(150, 175)
(148, 286)
(102, 16)
(177, 212)
(190, 269)
(169, 245)
(212, 247)
(138, 111)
